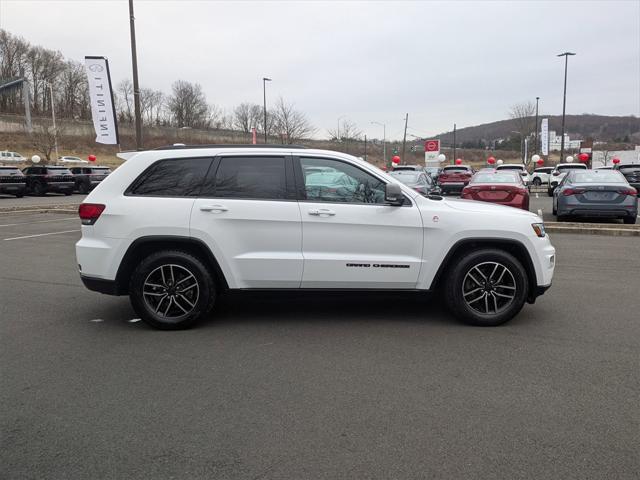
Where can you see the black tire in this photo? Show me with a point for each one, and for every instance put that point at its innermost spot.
(39, 190)
(629, 220)
(83, 188)
(537, 182)
(167, 264)
(505, 309)
(68, 193)
(19, 195)
(562, 218)
(554, 210)
(550, 192)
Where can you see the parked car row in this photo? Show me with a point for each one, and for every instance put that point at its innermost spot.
(42, 179)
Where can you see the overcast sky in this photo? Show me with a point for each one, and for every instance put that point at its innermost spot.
(442, 62)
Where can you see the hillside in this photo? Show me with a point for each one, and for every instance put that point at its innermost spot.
(600, 127)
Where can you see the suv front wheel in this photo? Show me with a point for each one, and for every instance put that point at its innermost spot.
(171, 290)
(486, 287)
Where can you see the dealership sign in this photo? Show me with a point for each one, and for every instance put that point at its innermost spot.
(103, 109)
(544, 136)
(431, 150)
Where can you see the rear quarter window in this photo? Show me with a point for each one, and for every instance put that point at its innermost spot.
(171, 178)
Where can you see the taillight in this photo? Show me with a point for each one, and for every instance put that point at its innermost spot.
(628, 191)
(572, 191)
(90, 212)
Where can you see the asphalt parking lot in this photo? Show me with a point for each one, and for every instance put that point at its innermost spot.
(49, 199)
(316, 386)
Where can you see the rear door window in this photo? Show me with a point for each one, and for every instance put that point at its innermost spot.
(172, 178)
(259, 178)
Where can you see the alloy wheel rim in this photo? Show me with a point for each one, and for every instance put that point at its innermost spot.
(171, 291)
(489, 288)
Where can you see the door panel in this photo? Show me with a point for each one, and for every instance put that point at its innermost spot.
(351, 239)
(257, 241)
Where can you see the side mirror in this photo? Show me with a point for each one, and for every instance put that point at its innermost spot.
(555, 174)
(393, 194)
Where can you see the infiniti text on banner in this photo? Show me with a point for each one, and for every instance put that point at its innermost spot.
(101, 96)
(544, 136)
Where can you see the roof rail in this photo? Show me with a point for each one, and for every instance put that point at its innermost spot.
(263, 145)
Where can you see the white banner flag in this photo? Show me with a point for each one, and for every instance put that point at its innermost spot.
(544, 136)
(102, 108)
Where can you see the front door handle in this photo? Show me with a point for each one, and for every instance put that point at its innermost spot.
(322, 212)
(213, 208)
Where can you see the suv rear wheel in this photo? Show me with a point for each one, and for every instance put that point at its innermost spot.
(486, 287)
(171, 290)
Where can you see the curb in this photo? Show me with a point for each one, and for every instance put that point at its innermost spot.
(68, 207)
(611, 230)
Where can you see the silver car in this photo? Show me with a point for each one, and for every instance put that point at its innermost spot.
(595, 193)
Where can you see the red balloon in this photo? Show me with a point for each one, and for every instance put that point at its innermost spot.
(491, 160)
(458, 161)
(395, 159)
(616, 161)
(91, 158)
(583, 157)
(540, 162)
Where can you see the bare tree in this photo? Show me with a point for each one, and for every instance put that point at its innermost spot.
(349, 131)
(247, 116)
(44, 139)
(523, 116)
(124, 101)
(188, 105)
(290, 124)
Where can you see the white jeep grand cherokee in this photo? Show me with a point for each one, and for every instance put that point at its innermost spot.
(176, 226)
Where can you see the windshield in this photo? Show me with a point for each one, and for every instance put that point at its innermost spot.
(495, 178)
(405, 168)
(9, 171)
(58, 171)
(406, 176)
(101, 171)
(577, 166)
(630, 168)
(456, 169)
(511, 167)
(597, 176)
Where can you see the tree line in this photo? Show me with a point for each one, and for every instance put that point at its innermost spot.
(53, 79)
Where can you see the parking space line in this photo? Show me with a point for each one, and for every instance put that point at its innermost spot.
(41, 235)
(39, 221)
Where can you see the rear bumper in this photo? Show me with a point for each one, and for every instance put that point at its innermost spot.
(108, 287)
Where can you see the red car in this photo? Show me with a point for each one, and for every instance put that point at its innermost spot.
(501, 186)
(454, 178)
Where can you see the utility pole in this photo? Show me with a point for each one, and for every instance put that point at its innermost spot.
(365, 148)
(53, 116)
(535, 148)
(404, 139)
(136, 85)
(454, 142)
(264, 97)
(564, 100)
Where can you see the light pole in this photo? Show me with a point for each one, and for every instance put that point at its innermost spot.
(136, 86)
(264, 96)
(535, 149)
(384, 140)
(53, 117)
(564, 100)
(338, 131)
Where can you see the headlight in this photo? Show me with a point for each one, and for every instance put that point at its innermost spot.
(539, 229)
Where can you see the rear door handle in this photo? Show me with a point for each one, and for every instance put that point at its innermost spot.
(322, 212)
(213, 208)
